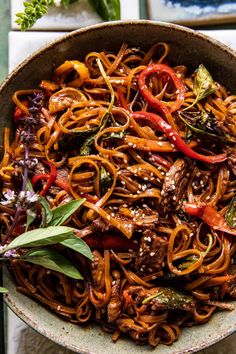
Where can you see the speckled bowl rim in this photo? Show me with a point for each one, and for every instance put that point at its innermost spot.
(7, 298)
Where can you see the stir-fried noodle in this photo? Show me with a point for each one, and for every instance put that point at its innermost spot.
(151, 149)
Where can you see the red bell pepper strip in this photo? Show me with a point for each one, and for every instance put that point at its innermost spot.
(152, 100)
(209, 216)
(58, 182)
(51, 178)
(122, 100)
(175, 138)
(19, 113)
(108, 241)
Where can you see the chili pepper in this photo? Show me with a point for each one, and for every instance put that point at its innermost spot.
(175, 138)
(109, 241)
(209, 216)
(152, 100)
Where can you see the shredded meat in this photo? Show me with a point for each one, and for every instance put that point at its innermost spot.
(100, 225)
(62, 174)
(231, 285)
(152, 254)
(232, 160)
(138, 219)
(97, 269)
(114, 306)
(175, 183)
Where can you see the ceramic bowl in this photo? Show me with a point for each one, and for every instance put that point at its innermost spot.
(187, 47)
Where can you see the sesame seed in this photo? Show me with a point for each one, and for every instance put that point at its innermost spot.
(108, 217)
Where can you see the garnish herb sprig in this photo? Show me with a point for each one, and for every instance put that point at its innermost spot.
(51, 231)
(26, 136)
(108, 10)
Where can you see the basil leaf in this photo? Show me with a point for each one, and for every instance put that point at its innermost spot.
(105, 180)
(78, 245)
(3, 290)
(171, 298)
(40, 237)
(202, 123)
(86, 147)
(108, 9)
(46, 212)
(230, 215)
(50, 259)
(115, 135)
(29, 186)
(203, 83)
(63, 212)
(31, 213)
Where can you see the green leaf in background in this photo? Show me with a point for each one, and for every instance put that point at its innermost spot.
(46, 212)
(40, 237)
(203, 83)
(109, 10)
(50, 259)
(230, 215)
(3, 290)
(33, 10)
(78, 245)
(63, 212)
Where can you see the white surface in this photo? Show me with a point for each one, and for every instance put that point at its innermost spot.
(77, 15)
(21, 339)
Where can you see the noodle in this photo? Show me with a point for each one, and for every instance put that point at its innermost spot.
(156, 163)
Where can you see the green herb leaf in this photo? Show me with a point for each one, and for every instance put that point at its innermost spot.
(3, 290)
(108, 9)
(32, 212)
(203, 83)
(46, 212)
(63, 212)
(78, 245)
(40, 237)
(202, 123)
(29, 186)
(230, 215)
(86, 147)
(50, 259)
(172, 298)
(105, 180)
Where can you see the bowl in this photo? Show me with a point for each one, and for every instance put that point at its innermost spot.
(187, 47)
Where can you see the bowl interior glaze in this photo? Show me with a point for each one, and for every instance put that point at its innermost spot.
(187, 47)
